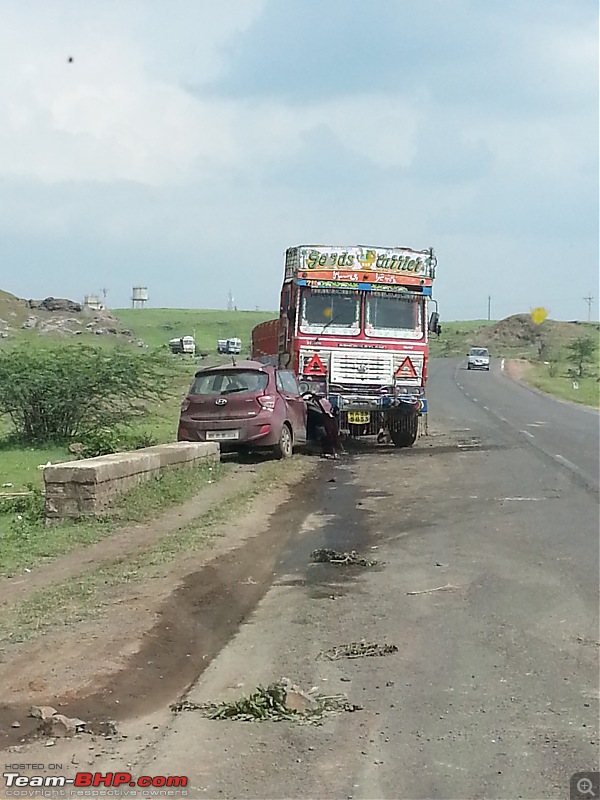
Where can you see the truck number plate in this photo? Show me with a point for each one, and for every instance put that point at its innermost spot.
(358, 417)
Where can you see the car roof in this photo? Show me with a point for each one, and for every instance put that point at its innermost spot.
(239, 365)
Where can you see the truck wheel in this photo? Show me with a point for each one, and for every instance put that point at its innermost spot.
(285, 446)
(404, 432)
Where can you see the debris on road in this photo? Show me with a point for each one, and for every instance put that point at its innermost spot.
(42, 712)
(449, 587)
(325, 556)
(277, 702)
(358, 650)
(61, 726)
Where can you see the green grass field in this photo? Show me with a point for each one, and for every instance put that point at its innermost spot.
(584, 390)
(155, 326)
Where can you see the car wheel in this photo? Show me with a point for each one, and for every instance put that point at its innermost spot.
(285, 446)
(468, 366)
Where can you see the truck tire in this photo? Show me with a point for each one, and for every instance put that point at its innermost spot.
(404, 432)
(285, 446)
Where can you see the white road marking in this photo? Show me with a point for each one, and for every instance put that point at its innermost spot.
(503, 419)
(566, 462)
(514, 499)
(486, 408)
(528, 433)
(475, 400)
(502, 365)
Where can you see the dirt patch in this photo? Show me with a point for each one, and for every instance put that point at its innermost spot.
(128, 540)
(517, 369)
(153, 639)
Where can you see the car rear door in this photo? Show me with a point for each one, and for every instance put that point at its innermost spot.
(226, 395)
(288, 388)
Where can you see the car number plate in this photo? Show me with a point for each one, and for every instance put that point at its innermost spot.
(358, 417)
(220, 435)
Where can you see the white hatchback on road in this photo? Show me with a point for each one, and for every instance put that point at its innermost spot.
(479, 358)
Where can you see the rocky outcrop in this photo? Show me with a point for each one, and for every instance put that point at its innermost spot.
(56, 304)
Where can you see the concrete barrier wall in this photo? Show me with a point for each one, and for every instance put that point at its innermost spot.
(84, 488)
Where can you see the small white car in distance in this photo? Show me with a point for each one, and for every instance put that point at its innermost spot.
(479, 358)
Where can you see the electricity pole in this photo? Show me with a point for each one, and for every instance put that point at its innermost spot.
(589, 300)
(489, 307)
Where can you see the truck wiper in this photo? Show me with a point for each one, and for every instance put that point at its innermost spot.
(327, 324)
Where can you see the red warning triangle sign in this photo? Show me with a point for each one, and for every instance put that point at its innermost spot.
(406, 370)
(315, 366)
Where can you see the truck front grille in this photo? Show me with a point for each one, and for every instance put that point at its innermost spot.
(362, 368)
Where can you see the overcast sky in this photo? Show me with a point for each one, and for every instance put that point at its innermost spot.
(191, 141)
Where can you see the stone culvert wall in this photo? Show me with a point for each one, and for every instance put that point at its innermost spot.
(84, 488)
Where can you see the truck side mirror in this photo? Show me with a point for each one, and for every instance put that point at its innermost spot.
(434, 323)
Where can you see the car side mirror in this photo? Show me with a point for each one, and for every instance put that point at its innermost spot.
(434, 321)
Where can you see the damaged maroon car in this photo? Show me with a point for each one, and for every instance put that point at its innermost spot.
(244, 406)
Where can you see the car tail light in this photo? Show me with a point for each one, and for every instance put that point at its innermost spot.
(183, 435)
(264, 429)
(185, 404)
(267, 402)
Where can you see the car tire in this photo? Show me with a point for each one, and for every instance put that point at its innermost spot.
(285, 446)
(468, 366)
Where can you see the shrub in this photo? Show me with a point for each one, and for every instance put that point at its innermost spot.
(57, 393)
(102, 441)
(29, 507)
(581, 352)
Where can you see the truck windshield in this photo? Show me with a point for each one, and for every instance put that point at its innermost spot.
(394, 316)
(340, 312)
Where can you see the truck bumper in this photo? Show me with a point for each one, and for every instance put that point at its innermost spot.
(363, 421)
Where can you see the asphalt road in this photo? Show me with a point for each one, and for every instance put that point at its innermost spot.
(565, 432)
(487, 584)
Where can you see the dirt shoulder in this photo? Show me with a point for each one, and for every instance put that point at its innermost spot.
(127, 541)
(121, 646)
(517, 369)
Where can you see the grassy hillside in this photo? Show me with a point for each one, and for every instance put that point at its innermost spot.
(155, 326)
(514, 337)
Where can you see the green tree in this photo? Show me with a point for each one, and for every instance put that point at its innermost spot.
(581, 353)
(57, 393)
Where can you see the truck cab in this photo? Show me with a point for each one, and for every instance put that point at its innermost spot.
(353, 325)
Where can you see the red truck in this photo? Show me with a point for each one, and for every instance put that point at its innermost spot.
(353, 326)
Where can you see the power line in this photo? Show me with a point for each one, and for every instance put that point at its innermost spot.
(589, 300)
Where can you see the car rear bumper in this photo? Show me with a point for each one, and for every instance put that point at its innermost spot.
(260, 431)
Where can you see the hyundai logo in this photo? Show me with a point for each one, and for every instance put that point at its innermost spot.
(221, 401)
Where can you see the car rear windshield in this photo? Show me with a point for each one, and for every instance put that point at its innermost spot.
(479, 351)
(229, 382)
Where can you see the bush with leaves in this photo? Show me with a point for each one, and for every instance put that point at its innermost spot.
(102, 441)
(581, 353)
(58, 393)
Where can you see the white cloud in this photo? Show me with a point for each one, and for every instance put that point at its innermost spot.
(108, 116)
